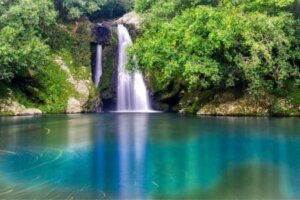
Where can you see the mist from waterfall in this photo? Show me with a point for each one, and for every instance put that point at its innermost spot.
(132, 93)
(98, 65)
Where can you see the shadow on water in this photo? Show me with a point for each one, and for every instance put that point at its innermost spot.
(152, 156)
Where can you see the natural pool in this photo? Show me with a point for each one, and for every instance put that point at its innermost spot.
(149, 156)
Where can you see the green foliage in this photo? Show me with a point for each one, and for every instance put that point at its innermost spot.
(27, 14)
(257, 5)
(237, 43)
(21, 47)
(168, 8)
(28, 73)
(77, 71)
(63, 37)
(143, 5)
(291, 92)
(44, 90)
(95, 10)
(112, 9)
(77, 8)
(17, 56)
(53, 84)
(4, 91)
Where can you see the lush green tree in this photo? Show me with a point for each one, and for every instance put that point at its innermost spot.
(77, 8)
(237, 43)
(143, 5)
(94, 9)
(112, 9)
(21, 25)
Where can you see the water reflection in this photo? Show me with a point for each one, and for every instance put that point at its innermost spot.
(79, 133)
(252, 163)
(132, 135)
(155, 156)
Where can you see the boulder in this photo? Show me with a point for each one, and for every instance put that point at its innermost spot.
(74, 106)
(130, 18)
(10, 107)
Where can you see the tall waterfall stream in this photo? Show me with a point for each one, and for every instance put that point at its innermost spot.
(132, 94)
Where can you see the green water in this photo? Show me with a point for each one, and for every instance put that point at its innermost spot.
(149, 156)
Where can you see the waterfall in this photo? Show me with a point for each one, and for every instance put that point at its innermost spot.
(132, 92)
(98, 66)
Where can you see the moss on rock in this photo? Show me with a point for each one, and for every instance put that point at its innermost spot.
(248, 105)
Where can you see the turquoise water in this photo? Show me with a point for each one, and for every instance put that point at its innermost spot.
(149, 156)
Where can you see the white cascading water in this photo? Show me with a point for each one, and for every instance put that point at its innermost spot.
(98, 66)
(132, 92)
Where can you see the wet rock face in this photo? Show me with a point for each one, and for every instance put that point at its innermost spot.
(130, 18)
(95, 105)
(108, 85)
(102, 33)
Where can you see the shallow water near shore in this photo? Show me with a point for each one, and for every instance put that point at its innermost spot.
(149, 156)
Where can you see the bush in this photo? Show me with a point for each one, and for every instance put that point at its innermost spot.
(245, 44)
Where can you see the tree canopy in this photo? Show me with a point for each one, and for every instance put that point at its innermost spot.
(24, 26)
(209, 44)
(21, 45)
(200, 44)
(76, 8)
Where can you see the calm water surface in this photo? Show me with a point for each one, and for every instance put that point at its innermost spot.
(149, 156)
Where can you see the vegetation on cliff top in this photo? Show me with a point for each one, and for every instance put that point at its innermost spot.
(33, 34)
(94, 9)
(21, 46)
(208, 45)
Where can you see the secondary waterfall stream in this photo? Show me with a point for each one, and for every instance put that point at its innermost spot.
(132, 93)
(98, 65)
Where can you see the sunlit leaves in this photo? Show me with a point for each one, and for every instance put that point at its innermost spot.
(242, 42)
(77, 8)
(21, 24)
